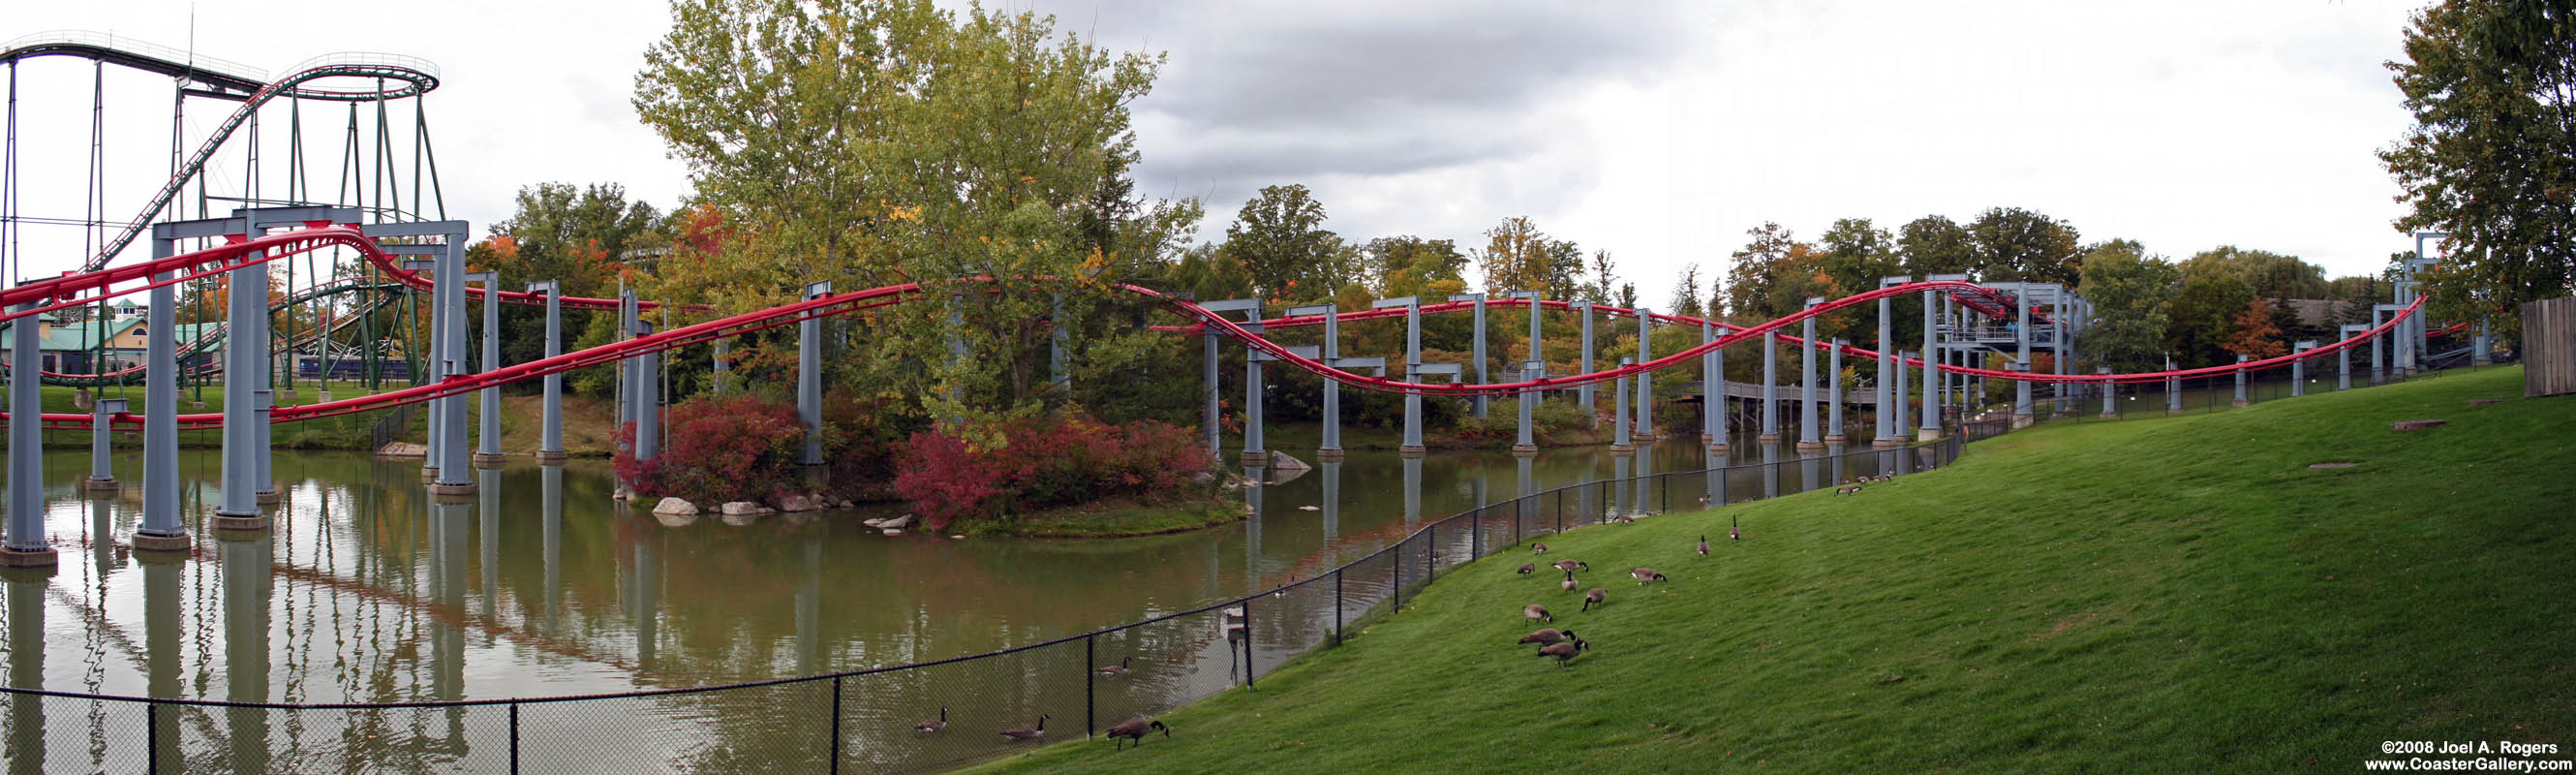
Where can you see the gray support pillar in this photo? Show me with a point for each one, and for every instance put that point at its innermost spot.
(1255, 452)
(262, 479)
(1808, 438)
(1583, 393)
(2299, 368)
(2057, 350)
(1834, 394)
(102, 446)
(1207, 392)
(2343, 358)
(246, 313)
(26, 545)
(1930, 428)
(2021, 339)
(2107, 410)
(648, 400)
(2173, 389)
(1904, 416)
(1331, 449)
(550, 448)
(487, 449)
(722, 367)
(261, 472)
(2240, 384)
(1645, 379)
(161, 530)
(2403, 363)
(1886, 359)
(1620, 441)
(1770, 388)
(1712, 391)
(1479, 403)
(436, 363)
(1412, 370)
(2378, 357)
(1527, 444)
(454, 478)
(809, 377)
(626, 317)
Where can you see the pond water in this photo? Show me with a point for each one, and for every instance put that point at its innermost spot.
(366, 590)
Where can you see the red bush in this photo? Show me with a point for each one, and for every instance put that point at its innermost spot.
(717, 449)
(1043, 463)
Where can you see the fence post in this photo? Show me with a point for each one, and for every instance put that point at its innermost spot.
(1560, 509)
(1248, 665)
(1476, 534)
(152, 735)
(836, 724)
(514, 738)
(1664, 483)
(1090, 706)
(1397, 591)
(1337, 606)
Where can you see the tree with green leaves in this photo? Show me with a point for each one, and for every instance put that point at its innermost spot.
(985, 155)
(1686, 293)
(2131, 292)
(1934, 244)
(2014, 244)
(2271, 275)
(2492, 156)
(1279, 238)
(1749, 279)
(2202, 318)
(1519, 257)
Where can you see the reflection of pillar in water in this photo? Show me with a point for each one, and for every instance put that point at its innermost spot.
(489, 514)
(1770, 470)
(1252, 524)
(102, 528)
(552, 513)
(448, 523)
(1645, 471)
(1412, 491)
(809, 607)
(161, 645)
(1836, 452)
(1712, 484)
(246, 591)
(647, 607)
(1807, 468)
(1618, 494)
(1528, 487)
(1332, 500)
(26, 671)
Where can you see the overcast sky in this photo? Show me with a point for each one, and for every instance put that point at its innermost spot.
(1660, 132)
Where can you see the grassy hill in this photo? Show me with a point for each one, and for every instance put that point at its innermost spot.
(2164, 595)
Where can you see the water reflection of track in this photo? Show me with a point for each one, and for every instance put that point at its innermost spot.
(78, 289)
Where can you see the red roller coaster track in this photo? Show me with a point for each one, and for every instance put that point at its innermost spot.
(84, 288)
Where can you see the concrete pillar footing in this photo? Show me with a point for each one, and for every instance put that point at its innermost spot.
(490, 461)
(28, 558)
(429, 473)
(1412, 451)
(1331, 454)
(2110, 415)
(1889, 443)
(1255, 458)
(269, 497)
(443, 488)
(1811, 446)
(1768, 438)
(2173, 411)
(552, 457)
(102, 485)
(1643, 435)
(148, 542)
(1717, 449)
(2023, 421)
(1623, 447)
(1927, 434)
(1835, 438)
(1524, 450)
(245, 522)
(322, 396)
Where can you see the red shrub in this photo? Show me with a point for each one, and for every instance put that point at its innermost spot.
(718, 448)
(1043, 463)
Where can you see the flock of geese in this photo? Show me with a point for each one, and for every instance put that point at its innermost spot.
(1133, 729)
(1562, 644)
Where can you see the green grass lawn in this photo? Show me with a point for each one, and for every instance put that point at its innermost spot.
(2170, 595)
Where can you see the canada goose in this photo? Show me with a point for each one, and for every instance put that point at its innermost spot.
(1120, 668)
(1538, 548)
(934, 725)
(1594, 598)
(1564, 651)
(1645, 575)
(1536, 611)
(1547, 637)
(1135, 729)
(1024, 734)
(1568, 584)
(1734, 529)
(1528, 567)
(1703, 545)
(1572, 565)
(1847, 490)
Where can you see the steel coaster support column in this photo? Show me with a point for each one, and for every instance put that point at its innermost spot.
(1903, 413)
(1770, 389)
(550, 447)
(2378, 358)
(721, 366)
(453, 462)
(1479, 403)
(1207, 392)
(1583, 393)
(2402, 362)
(1645, 379)
(2240, 384)
(1808, 440)
(1621, 441)
(245, 319)
(1331, 448)
(1930, 428)
(648, 400)
(2107, 411)
(2173, 389)
(809, 378)
(1527, 444)
(257, 343)
(102, 468)
(2057, 348)
(487, 450)
(1254, 451)
(1712, 392)
(1886, 317)
(161, 529)
(2299, 368)
(26, 546)
(435, 365)
(1834, 394)
(1412, 370)
(2343, 357)
(2021, 339)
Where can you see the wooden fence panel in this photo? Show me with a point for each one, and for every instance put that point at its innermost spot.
(2549, 347)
